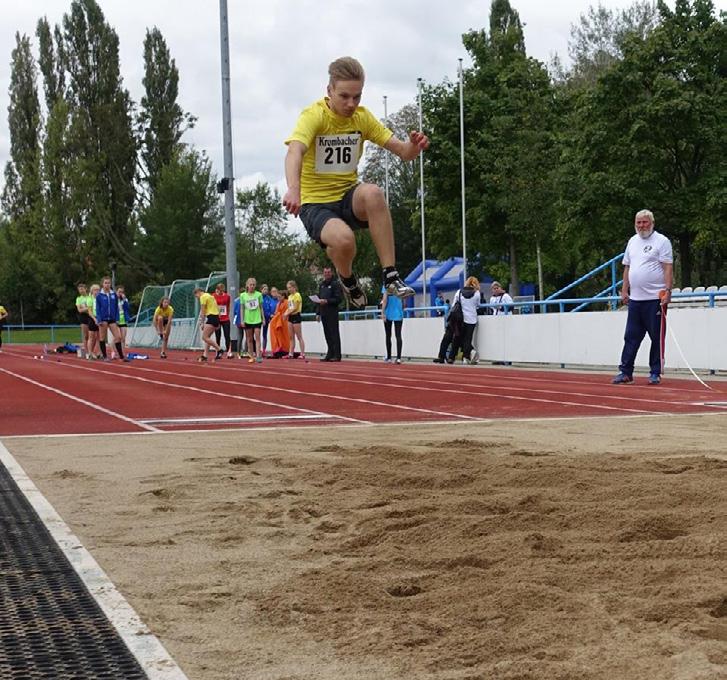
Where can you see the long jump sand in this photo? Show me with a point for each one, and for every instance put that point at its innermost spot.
(585, 549)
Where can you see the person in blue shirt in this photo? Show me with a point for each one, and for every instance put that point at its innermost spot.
(441, 304)
(392, 312)
(107, 317)
(238, 345)
(270, 304)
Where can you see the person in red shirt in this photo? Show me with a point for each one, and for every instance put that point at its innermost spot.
(222, 298)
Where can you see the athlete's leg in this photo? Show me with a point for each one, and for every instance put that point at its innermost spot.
(340, 244)
(387, 337)
(291, 334)
(103, 335)
(399, 343)
(116, 334)
(258, 344)
(299, 334)
(369, 205)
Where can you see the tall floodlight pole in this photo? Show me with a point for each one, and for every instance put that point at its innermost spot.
(227, 185)
(461, 154)
(421, 196)
(386, 157)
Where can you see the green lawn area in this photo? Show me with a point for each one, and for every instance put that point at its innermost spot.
(55, 335)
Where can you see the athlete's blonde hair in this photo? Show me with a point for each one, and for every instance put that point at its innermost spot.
(345, 68)
(472, 282)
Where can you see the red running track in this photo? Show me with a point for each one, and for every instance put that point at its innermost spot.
(68, 395)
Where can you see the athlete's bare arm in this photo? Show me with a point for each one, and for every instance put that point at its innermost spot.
(410, 149)
(293, 167)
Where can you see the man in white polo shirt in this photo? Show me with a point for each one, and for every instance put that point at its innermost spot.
(648, 270)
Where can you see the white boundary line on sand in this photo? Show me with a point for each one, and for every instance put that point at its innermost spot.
(142, 643)
(395, 423)
(90, 404)
(234, 419)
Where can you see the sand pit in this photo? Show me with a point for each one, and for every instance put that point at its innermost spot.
(579, 549)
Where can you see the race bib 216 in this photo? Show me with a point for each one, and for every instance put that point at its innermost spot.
(338, 153)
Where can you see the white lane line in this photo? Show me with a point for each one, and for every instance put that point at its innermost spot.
(142, 643)
(323, 395)
(494, 374)
(392, 423)
(478, 393)
(479, 385)
(226, 395)
(72, 397)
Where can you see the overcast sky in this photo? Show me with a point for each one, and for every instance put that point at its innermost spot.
(280, 50)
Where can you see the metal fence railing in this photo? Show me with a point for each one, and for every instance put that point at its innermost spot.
(62, 333)
(28, 334)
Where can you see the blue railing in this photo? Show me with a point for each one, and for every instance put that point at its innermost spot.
(706, 299)
(602, 295)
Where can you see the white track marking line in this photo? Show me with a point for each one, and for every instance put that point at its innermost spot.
(478, 393)
(230, 419)
(226, 395)
(247, 383)
(479, 385)
(142, 643)
(90, 404)
(430, 371)
(393, 423)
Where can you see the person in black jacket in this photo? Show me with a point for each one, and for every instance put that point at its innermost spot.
(330, 295)
(461, 324)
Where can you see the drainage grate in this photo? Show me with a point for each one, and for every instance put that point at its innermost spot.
(50, 626)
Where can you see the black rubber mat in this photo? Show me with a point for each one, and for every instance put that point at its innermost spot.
(50, 626)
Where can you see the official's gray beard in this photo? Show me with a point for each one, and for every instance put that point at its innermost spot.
(643, 235)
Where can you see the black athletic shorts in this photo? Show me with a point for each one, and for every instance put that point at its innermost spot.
(295, 318)
(213, 320)
(92, 325)
(84, 319)
(252, 326)
(315, 215)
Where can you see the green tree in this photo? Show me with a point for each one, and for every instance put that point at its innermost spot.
(267, 249)
(182, 225)
(103, 167)
(25, 278)
(597, 41)
(21, 194)
(510, 153)
(652, 133)
(162, 122)
(403, 199)
(51, 64)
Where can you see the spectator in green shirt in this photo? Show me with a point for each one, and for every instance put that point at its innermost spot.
(251, 302)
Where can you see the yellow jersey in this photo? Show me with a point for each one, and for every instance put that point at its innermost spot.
(3, 313)
(295, 303)
(164, 312)
(209, 305)
(334, 145)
